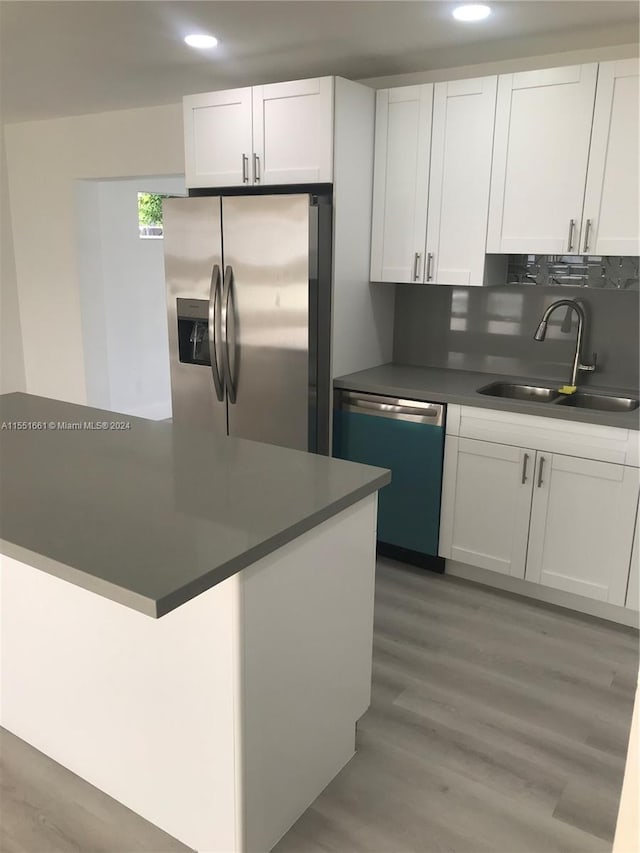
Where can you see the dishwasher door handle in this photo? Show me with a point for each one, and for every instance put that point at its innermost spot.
(393, 408)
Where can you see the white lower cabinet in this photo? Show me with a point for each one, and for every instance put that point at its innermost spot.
(553, 519)
(582, 520)
(490, 519)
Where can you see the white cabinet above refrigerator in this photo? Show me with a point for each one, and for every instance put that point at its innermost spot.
(281, 133)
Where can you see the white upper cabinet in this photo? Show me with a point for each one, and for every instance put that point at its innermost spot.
(293, 132)
(541, 149)
(611, 220)
(432, 173)
(217, 138)
(582, 522)
(461, 148)
(281, 133)
(401, 183)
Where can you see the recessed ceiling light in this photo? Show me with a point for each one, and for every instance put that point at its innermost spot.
(201, 40)
(471, 12)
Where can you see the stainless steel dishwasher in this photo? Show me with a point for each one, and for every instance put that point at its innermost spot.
(406, 436)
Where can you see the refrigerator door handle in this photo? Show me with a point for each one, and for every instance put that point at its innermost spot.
(226, 296)
(214, 298)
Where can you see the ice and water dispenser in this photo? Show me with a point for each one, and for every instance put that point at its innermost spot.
(193, 334)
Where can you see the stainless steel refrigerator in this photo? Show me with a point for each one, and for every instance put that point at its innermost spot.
(249, 311)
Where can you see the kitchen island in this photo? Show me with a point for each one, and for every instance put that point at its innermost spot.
(186, 619)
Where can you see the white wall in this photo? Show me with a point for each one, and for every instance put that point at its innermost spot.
(122, 298)
(44, 160)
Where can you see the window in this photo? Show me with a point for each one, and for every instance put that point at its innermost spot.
(150, 216)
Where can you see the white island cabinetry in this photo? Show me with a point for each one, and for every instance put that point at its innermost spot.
(200, 721)
(195, 647)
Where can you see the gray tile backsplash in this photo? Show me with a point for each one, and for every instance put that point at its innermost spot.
(615, 273)
(492, 328)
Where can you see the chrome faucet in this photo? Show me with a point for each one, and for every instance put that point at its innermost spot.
(541, 332)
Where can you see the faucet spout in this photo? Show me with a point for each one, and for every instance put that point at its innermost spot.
(541, 333)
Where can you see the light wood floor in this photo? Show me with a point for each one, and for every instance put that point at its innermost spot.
(497, 726)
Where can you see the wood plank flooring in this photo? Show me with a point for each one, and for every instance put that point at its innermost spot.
(497, 725)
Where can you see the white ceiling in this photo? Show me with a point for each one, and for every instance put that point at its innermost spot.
(80, 56)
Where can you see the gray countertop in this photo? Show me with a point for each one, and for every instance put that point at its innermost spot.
(445, 385)
(152, 515)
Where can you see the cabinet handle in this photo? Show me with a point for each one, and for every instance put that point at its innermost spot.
(256, 169)
(245, 169)
(525, 462)
(540, 471)
(416, 265)
(572, 226)
(429, 275)
(587, 228)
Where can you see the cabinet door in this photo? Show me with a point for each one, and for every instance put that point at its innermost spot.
(611, 200)
(485, 518)
(582, 522)
(633, 587)
(459, 180)
(217, 138)
(541, 146)
(401, 183)
(293, 132)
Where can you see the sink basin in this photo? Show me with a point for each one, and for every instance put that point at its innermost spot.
(520, 392)
(602, 402)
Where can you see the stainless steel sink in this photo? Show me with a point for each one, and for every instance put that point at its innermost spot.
(602, 402)
(513, 391)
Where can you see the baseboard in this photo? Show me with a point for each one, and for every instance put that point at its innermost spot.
(414, 558)
(545, 594)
